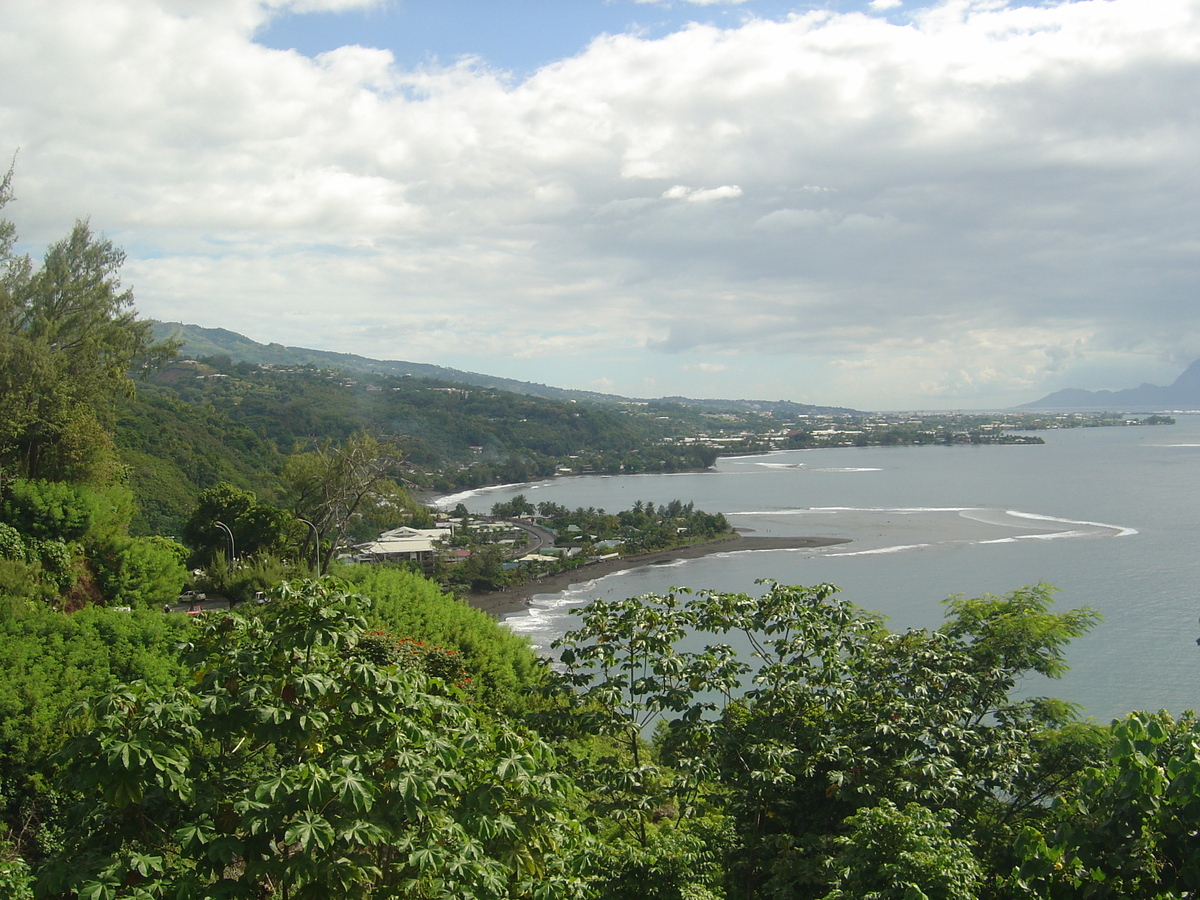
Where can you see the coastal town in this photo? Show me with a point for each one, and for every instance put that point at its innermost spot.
(766, 429)
(521, 543)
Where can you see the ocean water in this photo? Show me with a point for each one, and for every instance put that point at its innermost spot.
(1109, 516)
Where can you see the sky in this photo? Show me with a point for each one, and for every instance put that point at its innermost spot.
(885, 204)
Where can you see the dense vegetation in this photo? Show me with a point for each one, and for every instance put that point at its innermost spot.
(195, 424)
(639, 529)
(362, 735)
(316, 750)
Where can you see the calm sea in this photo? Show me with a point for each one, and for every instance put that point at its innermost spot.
(1109, 516)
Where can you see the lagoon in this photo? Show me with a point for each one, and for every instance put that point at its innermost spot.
(1109, 516)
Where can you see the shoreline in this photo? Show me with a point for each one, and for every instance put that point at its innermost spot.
(514, 600)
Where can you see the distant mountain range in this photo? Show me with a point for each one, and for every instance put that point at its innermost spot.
(199, 342)
(1184, 393)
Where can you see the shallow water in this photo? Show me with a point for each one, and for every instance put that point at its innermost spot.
(1110, 516)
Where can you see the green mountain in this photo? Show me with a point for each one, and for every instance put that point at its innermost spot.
(209, 342)
(230, 409)
(201, 342)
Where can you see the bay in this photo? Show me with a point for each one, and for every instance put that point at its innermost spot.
(1109, 516)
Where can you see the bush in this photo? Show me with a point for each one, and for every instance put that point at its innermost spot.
(142, 571)
(12, 545)
(16, 882)
(498, 662)
(50, 661)
(57, 511)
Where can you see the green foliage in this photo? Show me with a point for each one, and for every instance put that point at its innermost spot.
(48, 510)
(16, 881)
(68, 337)
(12, 545)
(253, 527)
(249, 577)
(499, 664)
(421, 517)
(450, 436)
(297, 765)
(408, 653)
(1127, 827)
(60, 511)
(333, 486)
(641, 529)
(50, 661)
(903, 854)
(517, 506)
(57, 561)
(681, 860)
(483, 570)
(74, 535)
(172, 450)
(23, 581)
(145, 571)
(843, 714)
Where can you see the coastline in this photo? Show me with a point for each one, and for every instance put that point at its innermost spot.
(501, 603)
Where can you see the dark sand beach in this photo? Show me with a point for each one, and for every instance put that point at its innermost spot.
(499, 603)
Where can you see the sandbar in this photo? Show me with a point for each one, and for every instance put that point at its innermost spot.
(501, 603)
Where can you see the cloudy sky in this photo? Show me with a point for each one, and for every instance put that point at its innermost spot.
(876, 203)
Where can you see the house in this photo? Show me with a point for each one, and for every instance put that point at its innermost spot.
(441, 533)
(397, 549)
(404, 544)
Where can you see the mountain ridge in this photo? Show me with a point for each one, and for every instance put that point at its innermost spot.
(199, 341)
(1183, 393)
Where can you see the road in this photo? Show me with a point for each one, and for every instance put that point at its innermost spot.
(538, 537)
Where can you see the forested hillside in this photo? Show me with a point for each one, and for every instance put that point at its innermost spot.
(196, 423)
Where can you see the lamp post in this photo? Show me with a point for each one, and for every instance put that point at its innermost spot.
(316, 545)
(232, 551)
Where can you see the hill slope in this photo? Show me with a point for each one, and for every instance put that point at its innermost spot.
(203, 342)
(198, 342)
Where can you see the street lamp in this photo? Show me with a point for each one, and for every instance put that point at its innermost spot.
(316, 545)
(232, 552)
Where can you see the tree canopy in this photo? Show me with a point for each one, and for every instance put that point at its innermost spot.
(68, 338)
(299, 766)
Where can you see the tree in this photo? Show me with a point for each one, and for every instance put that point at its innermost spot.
(1127, 826)
(68, 337)
(50, 661)
(253, 526)
(903, 854)
(332, 486)
(517, 506)
(842, 714)
(301, 765)
(16, 881)
(143, 572)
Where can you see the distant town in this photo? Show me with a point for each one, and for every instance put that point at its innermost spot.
(762, 432)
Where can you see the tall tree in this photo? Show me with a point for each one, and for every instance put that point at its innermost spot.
(68, 338)
(333, 485)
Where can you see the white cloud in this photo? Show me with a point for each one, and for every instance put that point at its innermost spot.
(1022, 173)
(794, 218)
(883, 5)
(695, 195)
